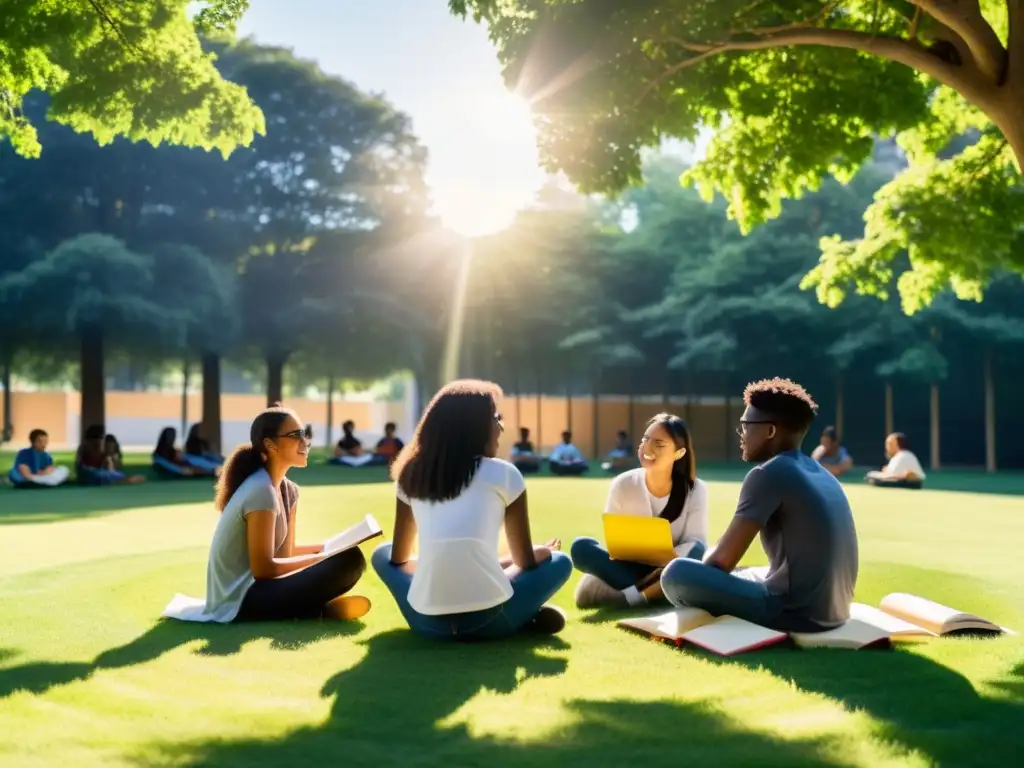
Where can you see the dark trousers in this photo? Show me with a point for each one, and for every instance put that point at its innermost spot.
(886, 483)
(303, 594)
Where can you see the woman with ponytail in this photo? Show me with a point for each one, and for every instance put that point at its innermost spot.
(256, 571)
(665, 485)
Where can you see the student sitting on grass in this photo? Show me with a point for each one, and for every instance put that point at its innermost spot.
(831, 455)
(389, 446)
(256, 570)
(198, 447)
(621, 456)
(566, 458)
(94, 467)
(456, 496)
(903, 469)
(170, 462)
(112, 449)
(802, 515)
(349, 450)
(34, 467)
(523, 457)
(665, 485)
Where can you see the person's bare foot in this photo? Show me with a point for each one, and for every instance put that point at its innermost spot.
(347, 608)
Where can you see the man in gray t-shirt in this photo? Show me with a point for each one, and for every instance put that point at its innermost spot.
(802, 515)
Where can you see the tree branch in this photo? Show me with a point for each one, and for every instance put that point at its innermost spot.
(965, 18)
(895, 49)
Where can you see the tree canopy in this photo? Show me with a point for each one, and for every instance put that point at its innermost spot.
(134, 69)
(796, 91)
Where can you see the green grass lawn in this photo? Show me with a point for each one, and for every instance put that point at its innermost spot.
(90, 676)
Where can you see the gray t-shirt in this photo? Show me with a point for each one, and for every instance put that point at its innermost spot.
(228, 575)
(808, 533)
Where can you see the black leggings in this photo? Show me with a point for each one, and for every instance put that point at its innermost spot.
(303, 594)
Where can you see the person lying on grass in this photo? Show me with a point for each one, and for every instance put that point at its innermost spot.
(903, 470)
(802, 515)
(454, 493)
(256, 571)
(665, 485)
(172, 463)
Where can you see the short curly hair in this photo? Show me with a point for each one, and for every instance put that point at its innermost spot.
(783, 399)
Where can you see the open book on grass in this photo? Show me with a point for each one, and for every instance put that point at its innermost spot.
(724, 635)
(900, 617)
(364, 530)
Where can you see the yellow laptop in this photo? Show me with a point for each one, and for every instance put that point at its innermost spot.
(639, 539)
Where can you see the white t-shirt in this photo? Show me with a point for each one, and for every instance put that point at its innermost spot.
(629, 495)
(458, 569)
(902, 463)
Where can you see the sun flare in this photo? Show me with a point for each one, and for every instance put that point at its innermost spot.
(496, 173)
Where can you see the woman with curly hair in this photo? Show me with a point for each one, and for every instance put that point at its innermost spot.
(454, 496)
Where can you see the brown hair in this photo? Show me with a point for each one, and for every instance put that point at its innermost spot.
(247, 460)
(450, 439)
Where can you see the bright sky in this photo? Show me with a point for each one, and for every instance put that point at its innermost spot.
(436, 68)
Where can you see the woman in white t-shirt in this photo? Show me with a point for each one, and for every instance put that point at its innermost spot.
(903, 469)
(256, 571)
(665, 485)
(455, 496)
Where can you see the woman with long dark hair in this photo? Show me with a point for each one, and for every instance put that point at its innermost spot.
(455, 496)
(665, 485)
(197, 448)
(256, 571)
(168, 461)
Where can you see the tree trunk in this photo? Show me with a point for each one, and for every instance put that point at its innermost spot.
(275, 379)
(185, 372)
(330, 411)
(540, 433)
(7, 430)
(839, 405)
(211, 400)
(93, 382)
(595, 416)
(990, 414)
(935, 461)
(890, 422)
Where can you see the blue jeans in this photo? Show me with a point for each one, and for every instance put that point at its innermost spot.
(590, 557)
(692, 583)
(531, 589)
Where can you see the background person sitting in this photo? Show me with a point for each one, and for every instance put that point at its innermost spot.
(831, 455)
(169, 462)
(566, 458)
(349, 450)
(903, 469)
(34, 467)
(92, 464)
(522, 455)
(112, 448)
(198, 447)
(389, 446)
(621, 456)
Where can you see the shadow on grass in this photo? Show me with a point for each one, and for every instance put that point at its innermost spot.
(394, 706)
(920, 703)
(218, 639)
(72, 501)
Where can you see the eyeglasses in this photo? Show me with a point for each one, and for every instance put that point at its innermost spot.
(296, 434)
(741, 430)
(498, 418)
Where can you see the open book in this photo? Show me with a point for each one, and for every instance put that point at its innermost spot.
(364, 530)
(901, 617)
(724, 635)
